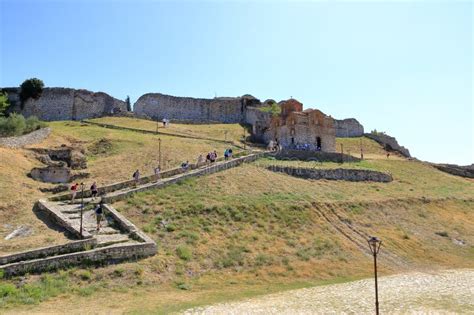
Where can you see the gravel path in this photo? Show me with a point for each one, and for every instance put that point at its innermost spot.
(444, 292)
(28, 139)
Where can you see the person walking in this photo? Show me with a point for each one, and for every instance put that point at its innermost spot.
(94, 190)
(136, 176)
(99, 212)
(74, 191)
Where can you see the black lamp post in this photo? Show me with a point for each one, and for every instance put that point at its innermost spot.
(82, 206)
(374, 245)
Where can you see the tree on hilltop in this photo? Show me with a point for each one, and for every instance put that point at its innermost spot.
(31, 88)
(129, 106)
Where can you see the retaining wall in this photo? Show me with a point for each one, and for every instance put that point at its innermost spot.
(315, 155)
(120, 195)
(71, 247)
(353, 175)
(55, 215)
(99, 256)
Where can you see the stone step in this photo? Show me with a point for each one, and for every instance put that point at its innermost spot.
(103, 231)
(109, 239)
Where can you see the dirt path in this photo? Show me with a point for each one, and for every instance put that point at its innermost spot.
(444, 292)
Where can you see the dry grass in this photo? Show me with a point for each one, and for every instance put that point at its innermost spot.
(249, 230)
(130, 151)
(221, 132)
(18, 193)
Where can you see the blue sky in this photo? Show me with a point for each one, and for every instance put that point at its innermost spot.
(401, 67)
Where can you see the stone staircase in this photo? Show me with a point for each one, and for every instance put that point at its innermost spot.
(118, 239)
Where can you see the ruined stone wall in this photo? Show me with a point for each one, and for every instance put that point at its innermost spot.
(260, 122)
(347, 128)
(389, 143)
(66, 104)
(159, 106)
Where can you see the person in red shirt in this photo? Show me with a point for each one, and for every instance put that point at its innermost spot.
(74, 191)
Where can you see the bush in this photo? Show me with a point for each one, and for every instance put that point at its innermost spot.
(4, 103)
(31, 88)
(16, 125)
(33, 123)
(184, 252)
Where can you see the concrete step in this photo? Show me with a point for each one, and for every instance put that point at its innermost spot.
(109, 239)
(103, 231)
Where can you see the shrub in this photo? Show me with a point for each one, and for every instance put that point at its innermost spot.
(33, 123)
(263, 259)
(31, 88)
(84, 274)
(14, 125)
(442, 234)
(184, 252)
(4, 103)
(7, 289)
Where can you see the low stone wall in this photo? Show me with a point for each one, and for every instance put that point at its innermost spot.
(71, 247)
(353, 175)
(120, 195)
(128, 227)
(315, 156)
(32, 138)
(99, 256)
(55, 215)
(131, 183)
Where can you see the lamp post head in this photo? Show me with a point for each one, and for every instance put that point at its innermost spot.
(374, 244)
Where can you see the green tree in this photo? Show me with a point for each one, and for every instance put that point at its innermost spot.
(31, 88)
(4, 103)
(129, 106)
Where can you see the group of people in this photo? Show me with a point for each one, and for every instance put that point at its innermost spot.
(211, 157)
(98, 210)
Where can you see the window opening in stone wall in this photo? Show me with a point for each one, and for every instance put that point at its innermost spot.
(292, 140)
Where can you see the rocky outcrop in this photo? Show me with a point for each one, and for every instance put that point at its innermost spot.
(347, 128)
(65, 104)
(463, 171)
(51, 174)
(220, 109)
(389, 143)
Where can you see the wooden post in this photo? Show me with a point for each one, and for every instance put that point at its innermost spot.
(342, 153)
(159, 154)
(361, 151)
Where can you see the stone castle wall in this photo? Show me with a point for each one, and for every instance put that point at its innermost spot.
(66, 104)
(347, 128)
(220, 109)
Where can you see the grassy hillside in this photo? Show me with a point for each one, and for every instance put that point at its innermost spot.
(112, 155)
(248, 231)
(221, 132)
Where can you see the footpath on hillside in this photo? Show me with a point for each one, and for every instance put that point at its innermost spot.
(441, 292)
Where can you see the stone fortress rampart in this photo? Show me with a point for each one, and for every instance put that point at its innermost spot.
(65, 104)
(198, 110)
(76, 104)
